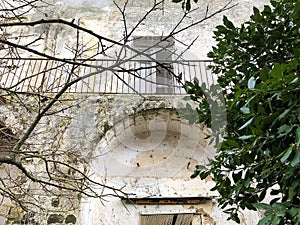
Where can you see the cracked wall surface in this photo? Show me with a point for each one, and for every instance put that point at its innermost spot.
(138, 144)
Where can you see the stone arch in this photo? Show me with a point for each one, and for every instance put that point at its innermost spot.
(151, 143)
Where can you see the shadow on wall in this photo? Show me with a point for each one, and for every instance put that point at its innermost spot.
(151, 143)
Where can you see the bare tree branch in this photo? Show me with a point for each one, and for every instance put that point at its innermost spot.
(23, 147)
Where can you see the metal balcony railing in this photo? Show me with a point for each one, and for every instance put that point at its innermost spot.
(101, 76)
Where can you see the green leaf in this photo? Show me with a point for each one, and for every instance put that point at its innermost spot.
(295, 80)
(276, 220)
(262, 206)
(286, 154)
(262, 195)
(194, 175)
(188, 5)
(274, 200)
(245, 110)
(228, 23)
(277, 70)
(265, 221)
(200, 167)
(186, 98)
(246, 137)
(279, 209)
(297, 7)
(265, 173)
(292, 188)
(247, 183)
(264, 74)
(204, 175)
(282, 115)
(251, 83)
(237, 176)
(255, 11)
(246, 124)
(284, 130)
(295, 214)
(235, 217)
(298, 137)
(274, 192)
(296, 160)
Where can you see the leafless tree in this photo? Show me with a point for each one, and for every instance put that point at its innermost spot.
(39, 94)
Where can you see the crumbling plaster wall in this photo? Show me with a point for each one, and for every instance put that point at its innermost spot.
(100, 122)
(103, 18)
(103, 114)
(96, 121)
(107, 111)
(45, 139)
(94, 129)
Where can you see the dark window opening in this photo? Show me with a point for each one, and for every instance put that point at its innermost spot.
(167, 219)
(164, 79)
(162, 49)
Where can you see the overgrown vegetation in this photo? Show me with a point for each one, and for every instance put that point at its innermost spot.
(258, 163)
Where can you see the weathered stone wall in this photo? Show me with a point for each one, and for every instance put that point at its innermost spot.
(127, 141)
(43, 207)
(105, 19)
(138, 144)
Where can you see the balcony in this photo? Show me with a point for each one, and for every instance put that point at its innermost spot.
(35, 75)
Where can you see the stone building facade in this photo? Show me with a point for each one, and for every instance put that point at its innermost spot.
(137, 143)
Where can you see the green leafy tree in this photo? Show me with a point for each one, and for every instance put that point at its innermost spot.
(259, 77)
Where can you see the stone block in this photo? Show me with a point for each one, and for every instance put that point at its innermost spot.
(55, 218)
(70, 219)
